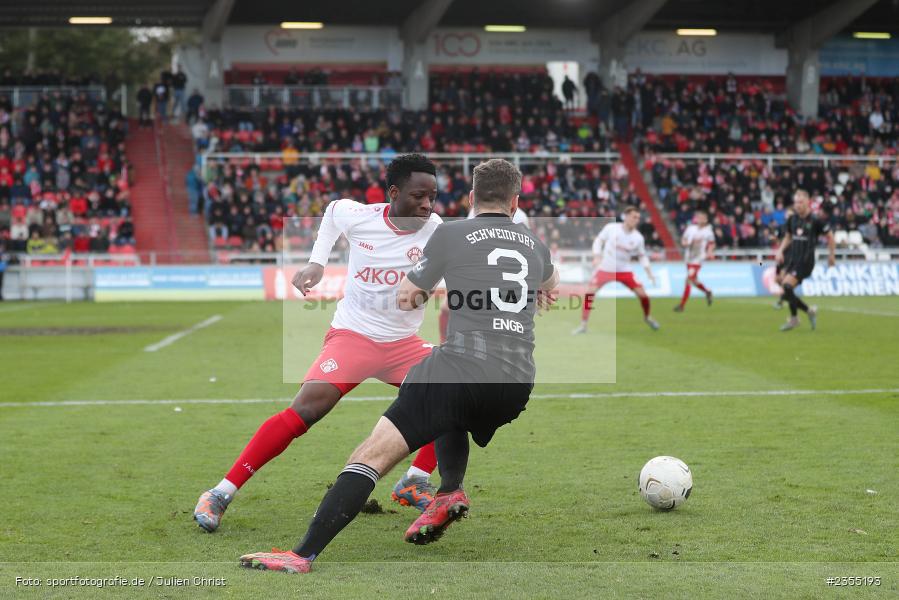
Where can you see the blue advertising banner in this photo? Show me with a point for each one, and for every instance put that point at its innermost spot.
(849, 56)
(725, 279)
(844, 279)
(178, 283)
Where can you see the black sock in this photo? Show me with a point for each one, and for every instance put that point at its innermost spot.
(339, 506)
(452, 460)
(790, 296)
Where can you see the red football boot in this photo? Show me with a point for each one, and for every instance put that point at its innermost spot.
(441, 512)
(276, 560)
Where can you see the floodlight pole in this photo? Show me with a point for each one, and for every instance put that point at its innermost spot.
(414, 33)
(613, 33)
(802, 42)
(213, 27)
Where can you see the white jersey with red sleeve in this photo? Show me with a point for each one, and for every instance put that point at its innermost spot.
(697, 241)
(616, 247)
(381, 255)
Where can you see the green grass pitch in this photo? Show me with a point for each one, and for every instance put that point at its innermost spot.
(780, 502)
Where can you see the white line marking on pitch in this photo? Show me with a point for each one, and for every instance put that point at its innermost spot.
(17, 307)
(598, 395)
(177, 336)
(861, 311)
(825, 308)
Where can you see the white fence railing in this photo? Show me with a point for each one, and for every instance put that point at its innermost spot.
(583, 256)
(79, 259)
(775, 159)
(27, 95)
(366, 98)
(466, 160)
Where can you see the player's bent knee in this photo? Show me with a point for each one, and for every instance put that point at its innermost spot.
(383, 449)
(315, 400)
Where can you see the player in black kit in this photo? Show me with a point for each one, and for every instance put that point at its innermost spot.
(797, 255)
(496, 274)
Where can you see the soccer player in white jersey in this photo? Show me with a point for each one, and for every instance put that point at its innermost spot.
(698, 242)
(613, 250)
(369, 336)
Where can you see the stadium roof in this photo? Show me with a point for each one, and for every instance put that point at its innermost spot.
(748, 15)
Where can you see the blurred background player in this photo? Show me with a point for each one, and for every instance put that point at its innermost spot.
(613, 250)
(797, 254)
(369, 335)
(519, 217)
(698, 242)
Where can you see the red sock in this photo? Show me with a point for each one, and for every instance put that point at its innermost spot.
(686, 295)
(443, 322)
(426, 459)
(644, 302)
(270, 440)
(588, 304)
(701, 287)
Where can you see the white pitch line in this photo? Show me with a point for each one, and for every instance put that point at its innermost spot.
(684, 394)
(826, 308)
(860, 311)
(17, 307)
(177, 336)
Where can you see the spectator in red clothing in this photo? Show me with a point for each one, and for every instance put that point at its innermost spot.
(374, 194)
(6, 178)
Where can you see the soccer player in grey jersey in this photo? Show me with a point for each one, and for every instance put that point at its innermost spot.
(496, 273)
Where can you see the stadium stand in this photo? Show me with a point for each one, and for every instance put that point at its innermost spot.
(65, 180)
(748, 197)
(247, 201)
(471, 111)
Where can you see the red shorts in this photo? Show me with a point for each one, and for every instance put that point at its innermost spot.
(600, 278)
(349, 358)
(693, 270)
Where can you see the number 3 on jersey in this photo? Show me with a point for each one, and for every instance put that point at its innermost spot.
(519, 277)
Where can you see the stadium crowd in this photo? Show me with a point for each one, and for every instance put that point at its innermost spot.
(471, 112)
(64, 176)
(248, 204)
(517, 112)
(748, 199)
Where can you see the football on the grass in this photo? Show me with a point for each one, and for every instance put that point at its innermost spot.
(665, 482)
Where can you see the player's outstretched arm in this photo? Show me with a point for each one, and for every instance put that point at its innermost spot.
(784, 244)
(552, 283)
(648, 268)
(329, 231)
(831, 250)
(308, 277)
(549, 291)
(644, 261)
(410, 296)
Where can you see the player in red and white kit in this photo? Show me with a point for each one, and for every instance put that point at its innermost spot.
(698, 242)
(613, 249)
(369, 335)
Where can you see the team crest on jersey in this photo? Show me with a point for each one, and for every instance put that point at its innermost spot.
(414, 253)
(799, 231)
(328, 366)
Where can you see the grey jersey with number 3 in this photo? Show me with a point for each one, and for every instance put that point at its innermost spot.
(493, 269)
